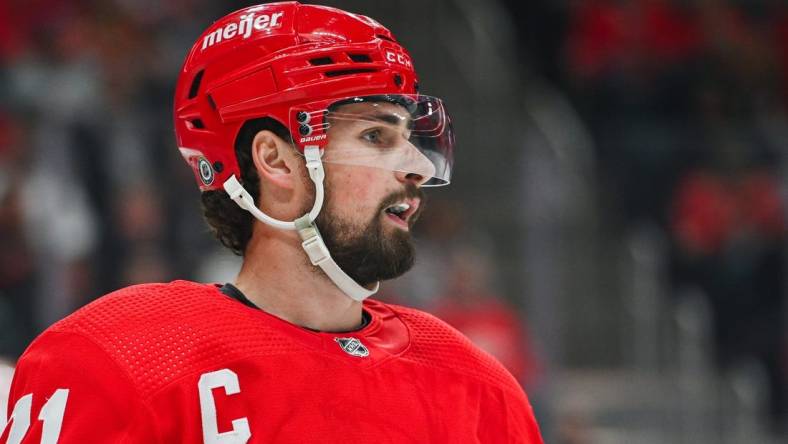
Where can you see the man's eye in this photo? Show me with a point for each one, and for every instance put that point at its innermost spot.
(373, 136)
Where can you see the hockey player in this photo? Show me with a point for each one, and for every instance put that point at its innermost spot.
(311, 143)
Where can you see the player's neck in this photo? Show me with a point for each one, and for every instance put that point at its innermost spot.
(277, 277)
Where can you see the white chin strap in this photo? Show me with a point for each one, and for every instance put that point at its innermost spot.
(312, 241)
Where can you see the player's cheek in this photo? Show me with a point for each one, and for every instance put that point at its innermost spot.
(356, 188)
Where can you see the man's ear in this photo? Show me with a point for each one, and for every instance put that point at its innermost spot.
(273, 158)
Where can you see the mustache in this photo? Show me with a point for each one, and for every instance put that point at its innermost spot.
(410, 192)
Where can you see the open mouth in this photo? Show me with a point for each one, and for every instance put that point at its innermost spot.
(401, 212)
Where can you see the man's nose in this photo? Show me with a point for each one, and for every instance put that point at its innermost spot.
(415, 178)
(412, 165)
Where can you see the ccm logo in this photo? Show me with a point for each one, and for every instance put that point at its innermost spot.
(395, 57)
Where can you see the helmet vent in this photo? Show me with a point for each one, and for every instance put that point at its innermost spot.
(360, 58)
(196, 84)
(345, 72)
(321, 61)
(197, 123)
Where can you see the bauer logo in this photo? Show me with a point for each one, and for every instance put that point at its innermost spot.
(243, 28)
(313, 138)
(353, 347)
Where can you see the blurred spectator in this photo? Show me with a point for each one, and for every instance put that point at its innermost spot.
(17, 265)
(89, 196)
(629, 66)
(684, 101)
(729, 227)
(728, 223)
(468, 304)
(635, 69)
(455, 280)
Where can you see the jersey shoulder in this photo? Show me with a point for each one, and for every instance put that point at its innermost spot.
(139, 308)
(436, 344)
(160, 332)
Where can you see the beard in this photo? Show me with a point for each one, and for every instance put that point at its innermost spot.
(367, 252)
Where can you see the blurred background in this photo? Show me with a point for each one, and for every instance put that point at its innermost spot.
(615, 231)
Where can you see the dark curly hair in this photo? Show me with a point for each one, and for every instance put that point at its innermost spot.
(229, 223)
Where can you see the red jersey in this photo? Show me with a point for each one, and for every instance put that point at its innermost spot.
(185, 363)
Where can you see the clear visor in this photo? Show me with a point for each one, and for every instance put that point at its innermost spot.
(404, 133)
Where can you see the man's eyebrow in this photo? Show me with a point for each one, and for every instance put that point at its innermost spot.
(392, 118)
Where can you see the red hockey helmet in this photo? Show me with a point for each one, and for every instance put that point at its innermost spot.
(297, 64)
